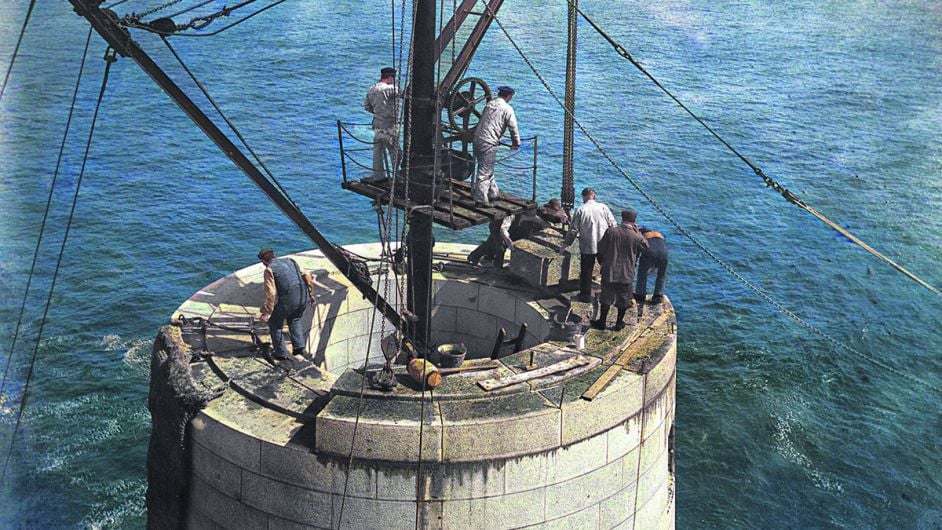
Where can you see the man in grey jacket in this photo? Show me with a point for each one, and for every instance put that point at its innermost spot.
(381, 101)
(589, 223)
(498, 116)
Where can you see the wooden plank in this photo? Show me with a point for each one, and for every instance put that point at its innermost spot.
(568, 364)
(473, 217)
(634, 335)
(601, 382)
(626, 354)
(467, 202)
(458, 213)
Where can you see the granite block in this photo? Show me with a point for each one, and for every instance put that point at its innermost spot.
(581, 492)
(232, 445)
(510, 425)
(217, 472)
(623, 438)
(618, 508)
(286, 501)
(224, 510)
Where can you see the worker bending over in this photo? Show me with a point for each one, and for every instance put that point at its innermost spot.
(288, 291)
(381, 103)
(654, 258)
(502, 234)
(589, 223)
(498, 116)
(618, 253)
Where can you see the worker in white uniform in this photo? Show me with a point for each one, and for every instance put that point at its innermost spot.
(498, 116)
(589, 223)
(381, 100)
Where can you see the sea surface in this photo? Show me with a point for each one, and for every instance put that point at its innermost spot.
(840, 101)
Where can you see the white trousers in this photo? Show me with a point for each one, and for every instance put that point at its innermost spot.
(385, 144)
(485, 187)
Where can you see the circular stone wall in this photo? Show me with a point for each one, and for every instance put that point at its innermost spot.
(530, 455)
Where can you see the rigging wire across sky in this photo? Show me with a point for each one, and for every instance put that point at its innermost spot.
(702, 247)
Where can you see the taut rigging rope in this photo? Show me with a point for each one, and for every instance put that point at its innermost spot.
(231, 125)
(109, 58)
(16, 50)
(42, 226)
(769, 182)
(758, 291)
(134, 20)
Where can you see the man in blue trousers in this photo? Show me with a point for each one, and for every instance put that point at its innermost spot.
(288, 291)
(653, 258)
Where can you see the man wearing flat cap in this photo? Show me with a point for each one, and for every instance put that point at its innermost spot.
(288, 291)
(498, 116)
(618, 252)
(381, 102)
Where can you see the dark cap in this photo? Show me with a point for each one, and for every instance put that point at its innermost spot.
(587, 191)
(266, 250)
(505, 90)
(388, 71)
(629, 215)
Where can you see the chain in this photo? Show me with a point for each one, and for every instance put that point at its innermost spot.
(728, 268)
(138, 16)
(769, 182)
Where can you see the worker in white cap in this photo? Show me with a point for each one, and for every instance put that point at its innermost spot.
(498, 116)
(381, 101)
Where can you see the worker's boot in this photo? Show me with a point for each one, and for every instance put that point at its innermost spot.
(603, 316)
(620, 321)
(656, 299)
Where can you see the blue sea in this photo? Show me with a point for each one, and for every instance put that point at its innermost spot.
(840, 101)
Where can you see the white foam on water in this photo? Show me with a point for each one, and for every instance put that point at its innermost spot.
(137, 355)
(786, 426)
(112, 342)
(121, 502)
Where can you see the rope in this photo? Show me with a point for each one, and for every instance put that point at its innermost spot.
(16, 50)
(231, 125)
(400, 112)
(355, 137)
(42, 226)
(109, 58)
(769, 182)
(758, 291)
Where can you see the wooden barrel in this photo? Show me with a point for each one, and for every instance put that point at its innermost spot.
(418, 367)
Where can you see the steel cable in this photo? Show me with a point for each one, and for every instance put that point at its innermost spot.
(109, 58)
(42, 226)
(757, 290)
(769, 182)
(231, 125)
(16, 49)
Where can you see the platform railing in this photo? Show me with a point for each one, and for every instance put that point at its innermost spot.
(456, 167)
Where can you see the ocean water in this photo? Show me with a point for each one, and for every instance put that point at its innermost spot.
(840, 101)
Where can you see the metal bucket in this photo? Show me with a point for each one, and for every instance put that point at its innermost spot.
(451, 355)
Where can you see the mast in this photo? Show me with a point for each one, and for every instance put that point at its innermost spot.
(420, 138)
(568, 192)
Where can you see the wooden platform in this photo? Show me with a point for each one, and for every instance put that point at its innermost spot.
(454, 209)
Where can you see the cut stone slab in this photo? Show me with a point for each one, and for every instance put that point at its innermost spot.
(537, 263)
